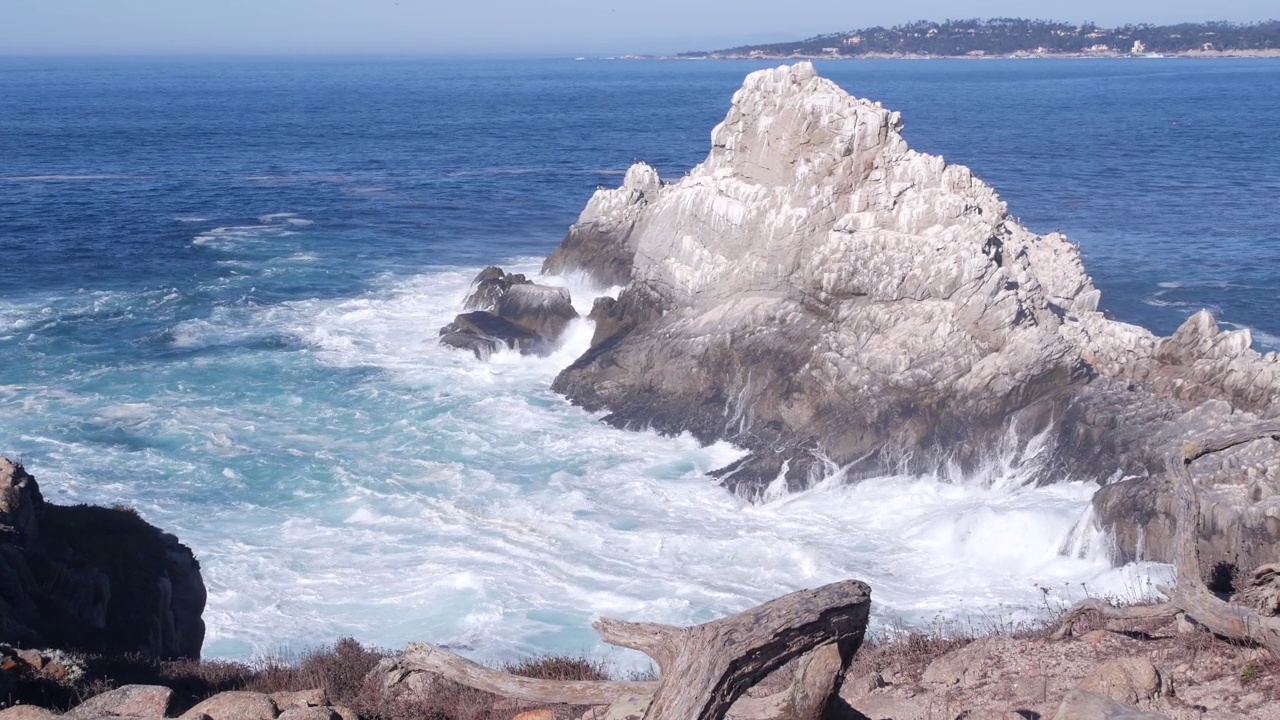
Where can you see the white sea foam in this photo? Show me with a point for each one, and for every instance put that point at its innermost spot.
(371, 482)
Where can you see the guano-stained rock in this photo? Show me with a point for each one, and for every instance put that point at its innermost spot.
(817, 292)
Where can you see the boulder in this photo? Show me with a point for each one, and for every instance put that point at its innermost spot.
(93, 579)
(1130, 681)
(139, 701)
(515, 314)
(489, 286)
(300, 699)
(963, 667)
(822, 295)
(631, 707)
(1084, 705)
(235, 705)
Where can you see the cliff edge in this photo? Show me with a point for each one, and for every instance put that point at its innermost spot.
(93, 579)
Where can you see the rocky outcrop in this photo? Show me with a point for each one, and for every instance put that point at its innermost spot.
(822, 295)
(93, 579)
(602, 243)
(510, 311)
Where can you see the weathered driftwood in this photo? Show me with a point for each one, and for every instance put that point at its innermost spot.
(421, 657)
(706, 669)
(1189, 594)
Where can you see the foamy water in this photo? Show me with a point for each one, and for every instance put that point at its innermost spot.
(339, 472)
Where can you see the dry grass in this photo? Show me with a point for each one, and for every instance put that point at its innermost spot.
(342, 670)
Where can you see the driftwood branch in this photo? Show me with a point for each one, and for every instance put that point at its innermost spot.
(656, 641)
(420, 657)
(705, 670)
(1189, 594)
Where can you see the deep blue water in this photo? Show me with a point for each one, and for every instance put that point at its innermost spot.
(220, 282)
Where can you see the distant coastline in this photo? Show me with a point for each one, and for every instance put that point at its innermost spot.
(1015, 38)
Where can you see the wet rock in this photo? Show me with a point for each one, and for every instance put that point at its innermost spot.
(1084, 705)
(236, 705)
(516, 314)
(141, 701)
(489, 286)
(484, 334)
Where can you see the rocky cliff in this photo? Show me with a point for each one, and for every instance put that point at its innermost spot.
(824, 296)
(93, 579)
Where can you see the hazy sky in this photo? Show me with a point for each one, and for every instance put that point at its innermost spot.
(81, 27)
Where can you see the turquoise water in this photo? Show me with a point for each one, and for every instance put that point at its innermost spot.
(221, 282)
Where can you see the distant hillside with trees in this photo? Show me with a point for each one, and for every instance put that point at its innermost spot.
(1015, 36)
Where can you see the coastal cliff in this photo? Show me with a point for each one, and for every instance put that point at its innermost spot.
(93, 579)
(829, 299)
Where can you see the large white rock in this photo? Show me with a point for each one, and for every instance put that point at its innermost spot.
(830, 299)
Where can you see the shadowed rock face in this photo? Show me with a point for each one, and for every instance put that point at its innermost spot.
(828, 298)
(93, 579)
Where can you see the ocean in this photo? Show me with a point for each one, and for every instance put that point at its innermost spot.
(221, 282)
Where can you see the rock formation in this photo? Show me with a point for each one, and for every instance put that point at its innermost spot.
(510, 311)
(93, 579)
(817, 292)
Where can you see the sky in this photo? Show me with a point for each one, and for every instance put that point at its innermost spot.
(492, 27)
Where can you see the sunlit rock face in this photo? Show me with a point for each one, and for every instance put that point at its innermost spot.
(832, 300)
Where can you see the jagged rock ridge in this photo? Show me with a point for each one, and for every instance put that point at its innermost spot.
(828, 298)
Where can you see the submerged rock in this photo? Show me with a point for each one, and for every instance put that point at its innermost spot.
(93, 579)
(512, 313)
(822, 295)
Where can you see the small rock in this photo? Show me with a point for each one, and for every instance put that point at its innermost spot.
(960, 667)
(26, 712)
(31, 657)
(345, 712)
(143, 701)
(1127, 680)
(542, 714)
(309, 713)
(236, 705)
(1083, 705)
(862, 686)
(631, 707)
(299, 699)
(1252, 699)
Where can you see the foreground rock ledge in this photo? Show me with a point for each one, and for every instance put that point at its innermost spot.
(93, 579)
(822, 295)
